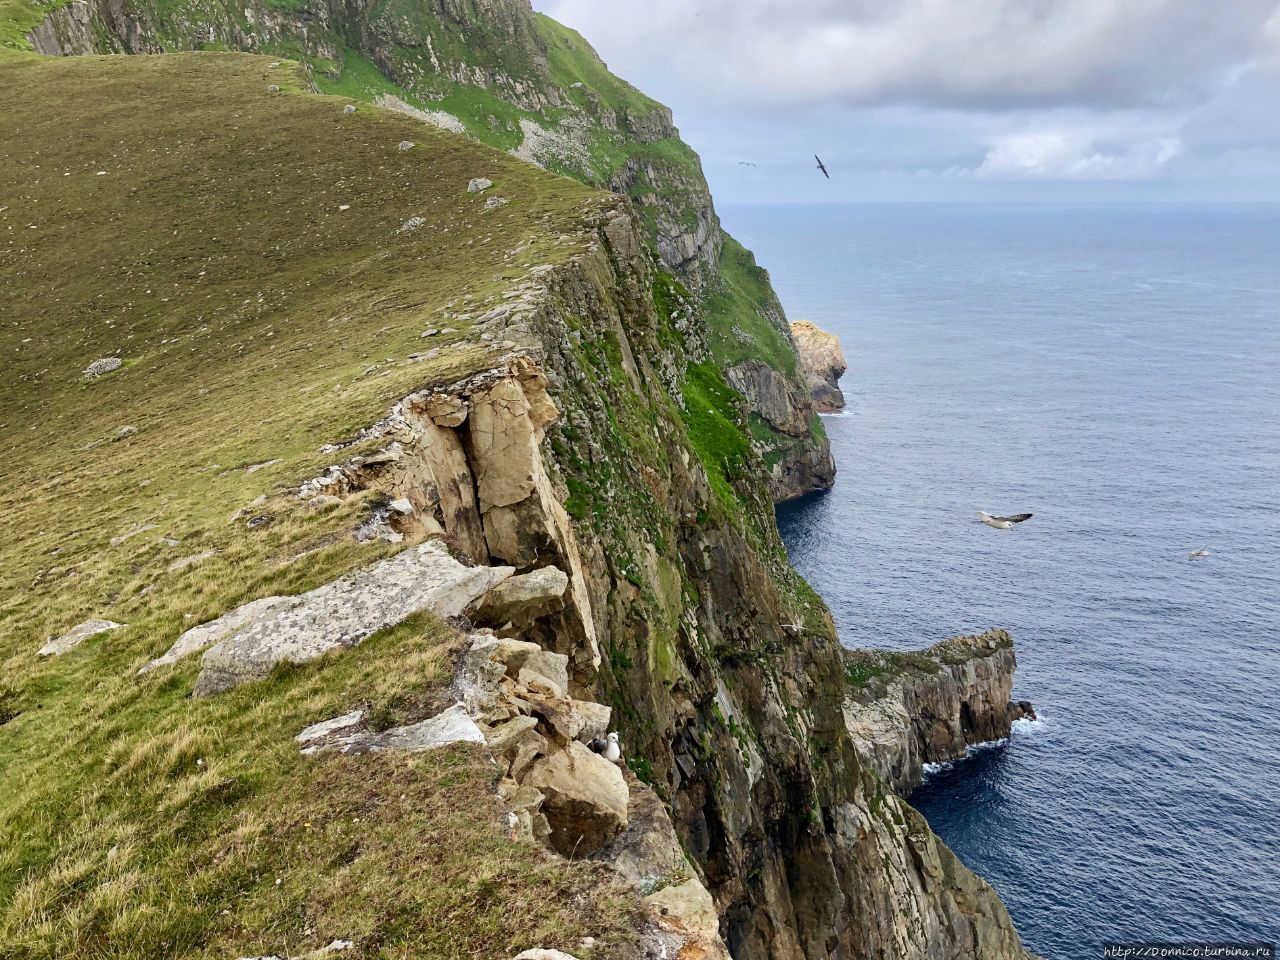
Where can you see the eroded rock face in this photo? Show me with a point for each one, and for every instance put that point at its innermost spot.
(771, 396)
(585, 799)
(823, 363)
(345, 612)
(928, 707)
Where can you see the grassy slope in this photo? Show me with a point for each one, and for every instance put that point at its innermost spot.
(213, 256)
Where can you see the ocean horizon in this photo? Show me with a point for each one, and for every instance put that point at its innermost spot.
(1113, 369)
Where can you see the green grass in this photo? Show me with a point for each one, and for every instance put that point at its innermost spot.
(20, 17)
(572, 60)
(213, 255)
(744, 315)
(712, 417)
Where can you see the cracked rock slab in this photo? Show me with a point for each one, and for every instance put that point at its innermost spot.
(197, 638)
(452, 726)
(347, 611)
(76, 636)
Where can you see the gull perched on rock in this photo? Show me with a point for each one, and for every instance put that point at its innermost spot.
(607, 747)
(1002, 523)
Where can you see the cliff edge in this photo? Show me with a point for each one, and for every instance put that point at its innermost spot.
(905, 710)
(341, 398)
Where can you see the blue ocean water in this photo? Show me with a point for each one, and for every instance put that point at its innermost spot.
(1116, 371)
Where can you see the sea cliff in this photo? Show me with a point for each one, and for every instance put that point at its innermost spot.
(468, 405)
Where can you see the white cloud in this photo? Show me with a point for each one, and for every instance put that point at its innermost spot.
(1058, 156)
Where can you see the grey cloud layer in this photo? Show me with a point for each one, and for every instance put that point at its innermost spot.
(1034, 90)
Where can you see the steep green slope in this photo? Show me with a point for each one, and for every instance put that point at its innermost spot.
(523, 83)
(242, 255)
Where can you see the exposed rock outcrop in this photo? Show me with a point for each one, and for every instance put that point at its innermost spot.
(76, 636)
(345, 612)
(823, 363)
(908, 709)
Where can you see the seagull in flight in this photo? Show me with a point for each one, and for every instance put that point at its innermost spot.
(1002, 523)
(744, 163)
(821, 166)
(1199, 554)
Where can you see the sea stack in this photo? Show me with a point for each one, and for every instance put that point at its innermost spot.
(823, 363)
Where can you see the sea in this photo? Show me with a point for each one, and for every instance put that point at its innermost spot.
(1115, 371)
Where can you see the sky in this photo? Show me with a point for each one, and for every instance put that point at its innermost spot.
(959, 99)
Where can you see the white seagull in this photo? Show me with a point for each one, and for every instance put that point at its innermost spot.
(1198, 554)
(1002, 523)
(607, 748)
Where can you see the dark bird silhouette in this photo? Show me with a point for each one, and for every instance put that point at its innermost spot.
(821, 166)
(744, 163)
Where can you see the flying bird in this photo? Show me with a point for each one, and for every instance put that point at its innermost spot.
(1002, 523)
(744, 163)
(1199, 554)
(821, 166)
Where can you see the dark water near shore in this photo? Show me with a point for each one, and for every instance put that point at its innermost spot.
(1116, 371)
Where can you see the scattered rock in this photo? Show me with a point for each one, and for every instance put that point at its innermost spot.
(493, 202)
(343, 613)
(523, 599)
(450, 727)
(101, 367)
(479, 185)
(412, 224)
(430, 333)
(126, 432)
(197, 638)
(254, 468)
(261, 520)
(349, 108)
(406, 145)
(326, 727)
(273, 88)
(76, 636)
(1021, 710)
(544, 955)
(403, 506)
(586, 799)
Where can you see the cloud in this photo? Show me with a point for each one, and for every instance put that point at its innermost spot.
(985, 54)
(970, 93)
(1058, 156)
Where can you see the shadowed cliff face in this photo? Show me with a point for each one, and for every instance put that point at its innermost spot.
(525, 84)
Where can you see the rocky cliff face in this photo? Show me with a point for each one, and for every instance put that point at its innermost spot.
(908, 709)
(823, 363)
(677, 615)
(604, 441)
(522, 83)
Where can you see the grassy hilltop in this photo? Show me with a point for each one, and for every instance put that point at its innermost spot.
(241, 254)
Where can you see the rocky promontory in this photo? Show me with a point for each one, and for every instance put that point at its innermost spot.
(823, 364)
(904, 710)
